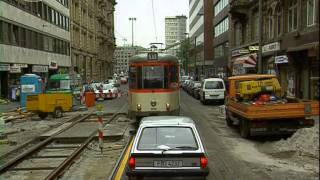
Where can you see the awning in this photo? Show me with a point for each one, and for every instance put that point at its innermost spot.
(247, 61)
(313, 45)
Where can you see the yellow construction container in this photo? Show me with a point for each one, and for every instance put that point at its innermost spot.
(55, 103)
(249, 88)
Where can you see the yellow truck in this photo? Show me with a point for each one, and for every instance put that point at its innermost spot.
(256, 103)
(51, 103)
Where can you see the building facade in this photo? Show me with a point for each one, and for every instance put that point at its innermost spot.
(290, 38)
(122, 55)
(201, 37)
(34, 38)
(175, 29)
(221, 38)
(92, 37)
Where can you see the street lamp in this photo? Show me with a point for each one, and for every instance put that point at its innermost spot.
(132, 19)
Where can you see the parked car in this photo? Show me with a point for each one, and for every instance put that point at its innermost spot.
(123, 80)
(212, 90)
(196, 89)
(185, 84)
(167, 146)
(192, 86)
(108, 91)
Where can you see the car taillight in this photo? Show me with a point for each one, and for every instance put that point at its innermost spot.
(132, 162)
(203, 162)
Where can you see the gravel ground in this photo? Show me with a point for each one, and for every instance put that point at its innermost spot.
(21, 131)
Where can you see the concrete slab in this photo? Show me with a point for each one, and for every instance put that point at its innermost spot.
(53, 131)
(80, 130)
(113, 131)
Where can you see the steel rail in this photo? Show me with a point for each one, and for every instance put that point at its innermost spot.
(116, 167)
(55, 174)
(37, 147)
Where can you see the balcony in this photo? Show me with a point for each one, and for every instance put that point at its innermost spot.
(238, 7)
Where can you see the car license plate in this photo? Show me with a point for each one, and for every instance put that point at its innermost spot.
(167, 163)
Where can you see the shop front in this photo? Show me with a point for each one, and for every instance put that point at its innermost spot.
(4, 78)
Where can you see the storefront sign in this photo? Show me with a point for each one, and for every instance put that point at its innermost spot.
(26, 88)
(39, 68)
(271, 47)
(281, 59)
(53, 65)
(21, 65)
(15, 69)
(253, 48)
(4, 67)
(239, 52)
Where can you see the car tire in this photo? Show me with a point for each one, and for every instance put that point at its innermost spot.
(228, 119)
(57, 113)
(244, 128)
(42, 115)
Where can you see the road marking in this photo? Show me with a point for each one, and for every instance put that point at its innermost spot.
(124, 162)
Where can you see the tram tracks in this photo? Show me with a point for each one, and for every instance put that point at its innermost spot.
(40, 156)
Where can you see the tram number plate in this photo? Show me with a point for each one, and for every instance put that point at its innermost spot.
(153, 109)
(167, 163)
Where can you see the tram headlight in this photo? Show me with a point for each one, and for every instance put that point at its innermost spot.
(139, 107)
(168, 106)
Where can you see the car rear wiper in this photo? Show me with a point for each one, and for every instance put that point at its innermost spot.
(185, 147)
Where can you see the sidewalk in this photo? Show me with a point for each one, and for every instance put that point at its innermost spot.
(9, 106)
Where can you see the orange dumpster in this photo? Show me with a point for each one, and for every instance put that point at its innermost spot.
(90, 99)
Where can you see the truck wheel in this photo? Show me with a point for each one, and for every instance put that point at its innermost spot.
(42, 115)
(244, 128)
(57, 113)
(228, 119)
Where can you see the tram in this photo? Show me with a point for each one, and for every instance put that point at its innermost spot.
(153, 85)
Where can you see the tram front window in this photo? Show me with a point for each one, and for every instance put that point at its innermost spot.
(154, 77)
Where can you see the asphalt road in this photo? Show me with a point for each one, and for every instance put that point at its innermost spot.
(230, 156)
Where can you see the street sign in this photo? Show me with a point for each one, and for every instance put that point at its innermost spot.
(281, 59)
(15, 69)
(53, 65)
(239, 52)
(39, 68)
(253, 48)
(271, 47)
(4, 67)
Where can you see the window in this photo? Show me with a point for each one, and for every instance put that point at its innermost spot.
(293, 16)
(34, 38)
(255, 27)
(45, 43)
(23, 37)
(40, 41)
(238, 33)
(50, 44)
(218, 51)
(270, 24)
(28, 39)
(213, 85)
(310, 12)
(153, 137)
(222, 27)
(220, 6)
(1, 33)
(45, 12)
(15, 35)
(279, 20)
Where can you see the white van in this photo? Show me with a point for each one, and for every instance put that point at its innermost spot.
(212, 89)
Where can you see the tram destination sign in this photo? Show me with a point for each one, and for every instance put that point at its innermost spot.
(153, 56)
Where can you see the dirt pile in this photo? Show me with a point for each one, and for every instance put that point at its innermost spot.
(305, 142)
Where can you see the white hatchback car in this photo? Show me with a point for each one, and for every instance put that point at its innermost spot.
(167, 146)
(212, 89)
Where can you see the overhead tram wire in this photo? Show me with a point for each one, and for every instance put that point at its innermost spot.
(154, 22)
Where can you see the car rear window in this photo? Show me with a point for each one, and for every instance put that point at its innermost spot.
(174, 137)
(213, 85)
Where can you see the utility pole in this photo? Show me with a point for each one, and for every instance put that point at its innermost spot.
(260, 38)
(132, 19)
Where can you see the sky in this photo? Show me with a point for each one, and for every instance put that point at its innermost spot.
(144, 32)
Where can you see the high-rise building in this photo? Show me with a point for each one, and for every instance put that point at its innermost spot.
(201, 37)
(221, 38)
(175, 29)
(34, 38)
(122, 55)
(93, 42)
